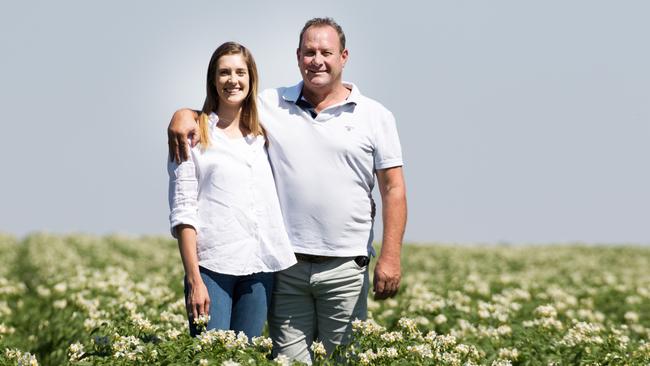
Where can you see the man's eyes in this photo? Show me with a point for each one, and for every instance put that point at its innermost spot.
(324, 53)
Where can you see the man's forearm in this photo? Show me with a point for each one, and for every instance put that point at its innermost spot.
(394, 220)
(185, 113)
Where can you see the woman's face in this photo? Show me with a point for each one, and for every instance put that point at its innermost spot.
(232, 80)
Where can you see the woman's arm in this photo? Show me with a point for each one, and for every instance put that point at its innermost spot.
(184, 219)
(198, 301)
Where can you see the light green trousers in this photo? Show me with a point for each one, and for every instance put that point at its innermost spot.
(316, 301)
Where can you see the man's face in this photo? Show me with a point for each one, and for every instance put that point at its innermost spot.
(320, 57)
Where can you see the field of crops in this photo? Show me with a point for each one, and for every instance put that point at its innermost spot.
(118, 301)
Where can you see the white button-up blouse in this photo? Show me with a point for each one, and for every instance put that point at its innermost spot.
(228, 195)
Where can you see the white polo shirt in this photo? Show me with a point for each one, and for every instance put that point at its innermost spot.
(324, 168)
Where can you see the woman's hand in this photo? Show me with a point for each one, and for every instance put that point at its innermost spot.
(198, 300)
(182, 126)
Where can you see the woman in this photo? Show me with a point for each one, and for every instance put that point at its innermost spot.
(224, 207)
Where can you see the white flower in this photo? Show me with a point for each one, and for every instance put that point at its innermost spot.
(128, 347)
(446, 341)
(203, 362)
(143, 324)
(263, 342)
(60, 287)
(631, 317)
(368, 327)
(431, 336)
(408, 325)
(546, 311)
(129, 306)
(583, 334)
(504, 330)
(422, 350)
(282, 360)
(509, 354)
(22, 359)
(440, 319)
(392, 337)
(391, 303)
(318, 349)
(230, 362)
(240, 342)
(201, 321)
(43, 291)
(173, 333)
(4, 329)
(75, 352)
(389, 352)
(501, 363)
(367, 357)
(422, 320)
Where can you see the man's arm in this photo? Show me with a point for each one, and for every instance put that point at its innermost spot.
(393, 198)
(182, 126)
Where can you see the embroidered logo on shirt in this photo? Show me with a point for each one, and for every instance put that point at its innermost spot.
(349, 128)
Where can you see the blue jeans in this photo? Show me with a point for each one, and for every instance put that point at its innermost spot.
(237, 303)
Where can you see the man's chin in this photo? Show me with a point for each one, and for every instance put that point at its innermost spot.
(317, 82)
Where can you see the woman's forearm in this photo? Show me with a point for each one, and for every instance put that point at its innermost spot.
(187, 245)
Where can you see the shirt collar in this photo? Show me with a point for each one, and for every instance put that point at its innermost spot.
(292, 93)
(213, 118)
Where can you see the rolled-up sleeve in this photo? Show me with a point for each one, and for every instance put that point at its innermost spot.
(388, 150)
(183, 193)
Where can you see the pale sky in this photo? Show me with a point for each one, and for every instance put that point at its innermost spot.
(520, 121)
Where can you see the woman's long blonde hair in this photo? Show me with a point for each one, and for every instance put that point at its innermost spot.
(249, 116)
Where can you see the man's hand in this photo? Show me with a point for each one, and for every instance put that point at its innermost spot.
(182, 126)
(387, 277)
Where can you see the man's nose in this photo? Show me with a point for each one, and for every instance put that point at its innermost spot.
(317, 59)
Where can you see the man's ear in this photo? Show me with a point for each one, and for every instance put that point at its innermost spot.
(344, 55)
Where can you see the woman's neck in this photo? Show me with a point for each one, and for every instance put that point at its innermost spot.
(229, 120)
(228, 116)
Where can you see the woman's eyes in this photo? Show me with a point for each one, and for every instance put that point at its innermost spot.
(238, 72)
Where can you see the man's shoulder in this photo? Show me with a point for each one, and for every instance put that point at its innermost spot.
(269, 93)
(279, 92)
(369, 103)
(373, 107)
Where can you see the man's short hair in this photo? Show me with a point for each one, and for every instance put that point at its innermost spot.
(321, 22)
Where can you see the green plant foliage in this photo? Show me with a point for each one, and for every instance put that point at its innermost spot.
(87, 300)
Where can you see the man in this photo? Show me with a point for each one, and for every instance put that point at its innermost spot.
(326, 144)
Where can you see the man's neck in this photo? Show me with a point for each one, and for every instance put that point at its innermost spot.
(322, 99)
